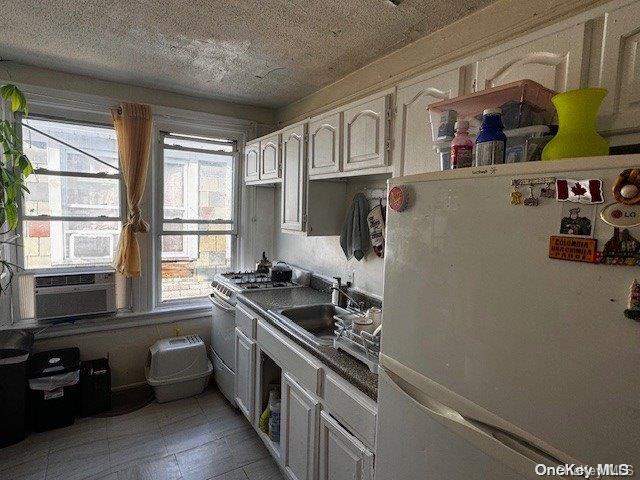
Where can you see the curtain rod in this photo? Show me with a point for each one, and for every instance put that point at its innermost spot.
(70, 146)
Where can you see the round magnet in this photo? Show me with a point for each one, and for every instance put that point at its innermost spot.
(397, 198)
(621, 215)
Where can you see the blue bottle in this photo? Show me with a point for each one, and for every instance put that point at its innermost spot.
(491, 141)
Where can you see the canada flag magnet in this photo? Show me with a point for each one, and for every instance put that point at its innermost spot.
(579, 191)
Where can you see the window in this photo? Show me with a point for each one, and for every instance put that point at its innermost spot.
(72, 213)
(197, 215)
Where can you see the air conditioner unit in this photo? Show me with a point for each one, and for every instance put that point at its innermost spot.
(74, 295)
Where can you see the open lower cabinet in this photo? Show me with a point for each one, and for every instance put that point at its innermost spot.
(268, 384)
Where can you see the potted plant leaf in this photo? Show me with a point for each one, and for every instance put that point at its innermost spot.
(15, 167)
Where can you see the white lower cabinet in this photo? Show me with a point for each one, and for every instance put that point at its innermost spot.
(245, 374)
(342, 456)
(299, 416)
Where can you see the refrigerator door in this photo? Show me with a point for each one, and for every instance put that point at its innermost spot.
(473, 303)
(437, 443)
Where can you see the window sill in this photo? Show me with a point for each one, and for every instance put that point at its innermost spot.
(118, 321)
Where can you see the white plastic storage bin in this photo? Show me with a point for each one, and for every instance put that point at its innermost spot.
(178, 367)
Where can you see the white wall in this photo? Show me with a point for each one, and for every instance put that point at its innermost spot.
(324, 255)
(126, 348)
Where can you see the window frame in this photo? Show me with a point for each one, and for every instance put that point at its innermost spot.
(24, 217)
(158, 205)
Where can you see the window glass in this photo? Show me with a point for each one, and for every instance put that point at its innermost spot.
(72, 196)
(49, 244)
(189, 263)
(45, 152)
(198, 197)
(197, 186)
(81, 196)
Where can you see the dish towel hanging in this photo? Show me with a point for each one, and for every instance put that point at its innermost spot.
(376, 228)
(354, 238)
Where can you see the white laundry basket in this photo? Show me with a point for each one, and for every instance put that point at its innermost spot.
(178, 367)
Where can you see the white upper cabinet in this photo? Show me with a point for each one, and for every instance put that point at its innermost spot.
(413, 150)
(270, 158)
(554, 60)
(298, 430)
(325, 147)
(620, 71)
(252, 162)
(342, 456)
(293, 178)
(366, 130)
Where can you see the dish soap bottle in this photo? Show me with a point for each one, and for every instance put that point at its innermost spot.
(491, 142)
(461, 146)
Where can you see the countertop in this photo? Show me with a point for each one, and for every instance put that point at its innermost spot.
(352, 370)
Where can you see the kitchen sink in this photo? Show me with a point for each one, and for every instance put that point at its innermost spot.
(315, 323)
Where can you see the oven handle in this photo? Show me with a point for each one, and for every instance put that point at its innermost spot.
(215, 299)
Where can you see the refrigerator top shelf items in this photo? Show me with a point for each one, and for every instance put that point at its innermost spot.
(472, 104)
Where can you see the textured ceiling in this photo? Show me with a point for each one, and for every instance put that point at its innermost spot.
(260, 52)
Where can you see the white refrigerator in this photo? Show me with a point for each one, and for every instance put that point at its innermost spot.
(494, 357)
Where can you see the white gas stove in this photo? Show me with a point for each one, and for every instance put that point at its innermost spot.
(225, 288)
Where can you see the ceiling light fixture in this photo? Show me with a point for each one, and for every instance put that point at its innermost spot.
(395, 2)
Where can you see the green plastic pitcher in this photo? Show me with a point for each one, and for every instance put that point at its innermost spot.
(577, 135)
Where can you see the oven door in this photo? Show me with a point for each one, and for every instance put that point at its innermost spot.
(223, 330)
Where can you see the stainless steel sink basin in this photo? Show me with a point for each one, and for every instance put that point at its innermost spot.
(313, 322)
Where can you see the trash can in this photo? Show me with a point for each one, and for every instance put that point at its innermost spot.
(178, 367)
(15, 348)
(54, 378)
(95, 387)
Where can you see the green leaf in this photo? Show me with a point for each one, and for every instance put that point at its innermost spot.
(11, 213)
(14, 96)
(25, 165)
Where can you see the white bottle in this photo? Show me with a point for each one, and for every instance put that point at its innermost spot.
(274, 416)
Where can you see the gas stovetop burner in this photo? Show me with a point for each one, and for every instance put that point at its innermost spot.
(253, 281)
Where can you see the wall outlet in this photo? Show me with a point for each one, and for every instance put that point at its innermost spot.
(351, 276)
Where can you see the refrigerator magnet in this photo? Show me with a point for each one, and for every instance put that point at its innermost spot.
(579, 191)
(573, 249)
(633, 304)
(621, 249)
(621, 215)
(577, 220)
(626, 189)
(397, 198)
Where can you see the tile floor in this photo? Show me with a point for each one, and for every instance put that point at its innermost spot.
(198, 438)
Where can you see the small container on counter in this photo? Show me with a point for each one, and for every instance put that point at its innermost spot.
(491, 141)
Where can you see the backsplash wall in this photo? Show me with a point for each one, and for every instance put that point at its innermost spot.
(323, 255)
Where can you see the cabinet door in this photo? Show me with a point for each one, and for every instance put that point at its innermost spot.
(252, 162)
(270, 158)
(620, 71)
(413, 150)
(293, 178)
(245, 373)
(324, 145)
(298, 430)
(554, 61)
(365, 135)
(342, 456)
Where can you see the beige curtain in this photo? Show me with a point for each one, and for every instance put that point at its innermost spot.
(133, 130)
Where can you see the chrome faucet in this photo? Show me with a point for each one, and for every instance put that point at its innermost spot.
(339, 297)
